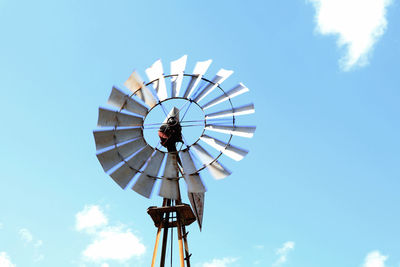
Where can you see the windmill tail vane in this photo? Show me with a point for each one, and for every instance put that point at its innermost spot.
(144, 140)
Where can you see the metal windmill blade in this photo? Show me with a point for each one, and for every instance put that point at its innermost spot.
(177, 68)
(198, 72)
(136, 85)
(145, 183)
(221, 76)
(123, 101)
(156, 74)
(195, 185)
(231, 151)
(169, 183)
(173, 126)
(236, 91)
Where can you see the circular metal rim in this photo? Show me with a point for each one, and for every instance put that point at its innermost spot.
(188, 99)
(172, 98)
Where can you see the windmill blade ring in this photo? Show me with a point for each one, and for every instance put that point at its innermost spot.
(133, 159)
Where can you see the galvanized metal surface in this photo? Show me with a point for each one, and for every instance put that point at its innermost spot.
(107, 138)
(204, 157)
(155, 73)
(177, 67)
(187, 162)
(197, 203)
(174, 112)
(112, 157)
(194, 183)
(169, 188)
(243, 131)
(192, 178)
(138, 160)
(124, 174)
(218, 171)
(113, 118)
(221, 76)
(169, 184)
(231, 151)
(171, 166)
(136, 85)
(145, 182)
(237, 90)
(120, 100)
(213, 166)
(242, 110)
(199, 70)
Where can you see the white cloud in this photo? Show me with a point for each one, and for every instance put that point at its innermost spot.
(25, 235)
(375, 259)
(38, 243)
(5, 260)
(108, 242)
(114, 243)
(1, 226)
(358, 23)
(90, 218)
(283, 252)
(220, 262)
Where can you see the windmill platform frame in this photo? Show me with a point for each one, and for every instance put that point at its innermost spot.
(164, 220)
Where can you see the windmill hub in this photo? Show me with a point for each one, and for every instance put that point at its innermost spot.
(186, 127)
(170, 131)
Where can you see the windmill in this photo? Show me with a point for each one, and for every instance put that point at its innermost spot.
(174, 126)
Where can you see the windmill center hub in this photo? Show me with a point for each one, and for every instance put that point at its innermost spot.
(189, 116)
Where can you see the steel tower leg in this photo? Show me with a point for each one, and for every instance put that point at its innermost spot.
(153, 262)
(187, 255)
(165, 235)
(179, 229)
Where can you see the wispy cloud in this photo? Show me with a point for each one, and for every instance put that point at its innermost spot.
(375, 259)
(38, 243)
(25, 235)
(219, 262)
(5, 260)
(358, 24)
(28, 238)
(108, 242)
(283, 252)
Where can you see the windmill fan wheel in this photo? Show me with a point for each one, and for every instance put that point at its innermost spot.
(162, 130)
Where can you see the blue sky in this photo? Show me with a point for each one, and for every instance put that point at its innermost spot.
(319, 186)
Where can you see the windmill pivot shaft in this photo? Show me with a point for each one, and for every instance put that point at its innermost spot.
(183, 212)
